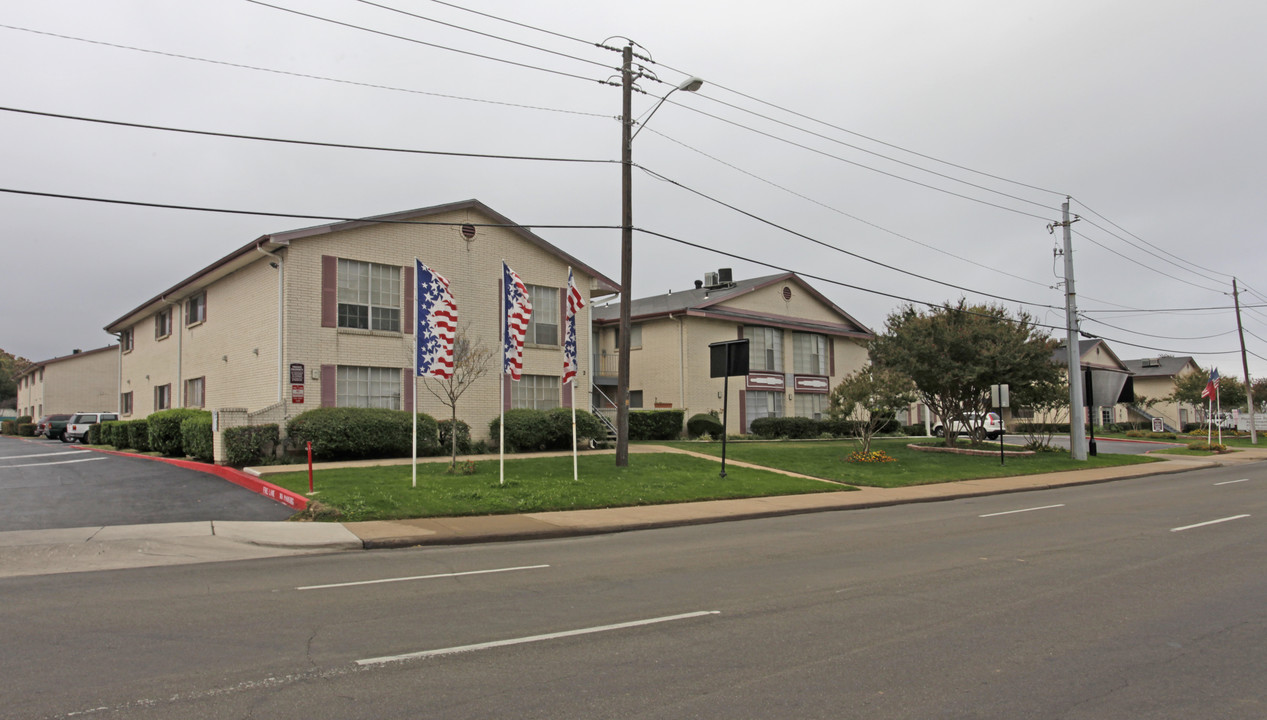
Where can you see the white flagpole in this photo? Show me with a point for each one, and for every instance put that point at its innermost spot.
(414, 390)
(1218, 404)
(501, 404)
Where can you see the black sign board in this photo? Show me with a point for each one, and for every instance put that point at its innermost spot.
(728, 358)
(296, 374)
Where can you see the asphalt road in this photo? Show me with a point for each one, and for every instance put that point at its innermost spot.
(1133, 599)
(1115, 447)
(46, 484)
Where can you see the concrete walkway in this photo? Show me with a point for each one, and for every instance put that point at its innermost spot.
(101, 548)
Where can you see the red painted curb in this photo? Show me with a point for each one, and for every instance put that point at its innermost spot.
(237, 477)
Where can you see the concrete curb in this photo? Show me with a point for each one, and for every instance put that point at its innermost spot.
(245, 480)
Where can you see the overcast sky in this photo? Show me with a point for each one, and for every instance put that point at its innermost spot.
(938, 138)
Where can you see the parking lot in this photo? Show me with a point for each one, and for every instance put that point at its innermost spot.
(46, 484)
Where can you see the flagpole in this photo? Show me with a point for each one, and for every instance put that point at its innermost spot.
(571, 328)
(414, 384)
(501, 405)
(1218, 405)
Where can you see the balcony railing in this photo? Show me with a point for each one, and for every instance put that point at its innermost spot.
(604, 364)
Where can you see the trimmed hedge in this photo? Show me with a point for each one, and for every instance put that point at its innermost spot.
(196, 437)
(655, 424)
(26, 429)
(8, 427)
(94, 434)
(802, 428)
(533, 430)
(703, 423)
(165, 429)
(249, 444)
(138, 435)
(23, 419)
(106, 432)
(356, 433)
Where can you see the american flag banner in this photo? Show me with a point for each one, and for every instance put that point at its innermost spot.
(518, 308)
(1211, 387)
(575, 303)
(437, 323)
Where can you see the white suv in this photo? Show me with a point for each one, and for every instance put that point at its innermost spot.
(991, 427)
(78, 424)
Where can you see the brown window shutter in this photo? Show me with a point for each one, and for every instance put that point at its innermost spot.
(329, 294)
(831, 356)
(410, 305)
(567, 393)
(741, 332)
(563, 316)
(743, 413)
(506, 385)
(408, 376)
(329, 386)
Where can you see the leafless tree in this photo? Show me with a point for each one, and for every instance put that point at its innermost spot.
(472, 359)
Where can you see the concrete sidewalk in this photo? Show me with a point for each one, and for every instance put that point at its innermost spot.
(102, 548)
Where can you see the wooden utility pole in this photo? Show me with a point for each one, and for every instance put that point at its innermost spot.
(626, 257)
(1249, 390)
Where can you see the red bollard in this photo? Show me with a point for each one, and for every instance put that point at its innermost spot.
(309, 467)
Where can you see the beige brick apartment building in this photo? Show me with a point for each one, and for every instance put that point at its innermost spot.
(1155, 380)
(324, 316)
(801, 345)
(82, 381)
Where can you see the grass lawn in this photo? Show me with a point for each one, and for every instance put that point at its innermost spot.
(537, 485)
(827, 460)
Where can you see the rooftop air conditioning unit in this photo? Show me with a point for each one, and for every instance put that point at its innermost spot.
(710, 279)
(725, 276)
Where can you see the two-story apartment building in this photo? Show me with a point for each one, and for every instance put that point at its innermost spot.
(324, 316)
(81, 381)
(1154, 379)
(800, 346)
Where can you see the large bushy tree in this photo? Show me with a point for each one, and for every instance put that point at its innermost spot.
(954, 353)
(10, 367)
(1188, 389)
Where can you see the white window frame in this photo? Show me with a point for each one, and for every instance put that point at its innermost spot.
(811, 405)
(368, 296)
(368, 387)
(809, 353)
(543, 326)
(762, 403)
(196, 392)
(163, 324)
(535, 392)
(162, 397)
(765, 348)
(125, 403)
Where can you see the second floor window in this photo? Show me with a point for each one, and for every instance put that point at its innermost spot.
(163, 324)
(543, 326)
(765, 348)
(125, 340)
(369, 296)
(809, 353)
(196, 309)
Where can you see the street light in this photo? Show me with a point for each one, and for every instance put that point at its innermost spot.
(691, 84)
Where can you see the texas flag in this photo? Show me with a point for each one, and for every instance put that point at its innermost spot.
(437, 323)
(518, 310)
(575, 303)
(1212, 387)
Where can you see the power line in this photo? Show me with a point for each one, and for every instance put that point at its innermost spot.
(833, 247)
(306, 76)
(332, 21)
(299, 216)
(313, 143)
(519, 24)
(1160, 337)
(1178, 310)
(1186, 263)
(1146, 267)
(842, 212)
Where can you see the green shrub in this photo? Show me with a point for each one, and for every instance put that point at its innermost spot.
(446, 438)
(26, 429)
(703, 424)
(94, 434)
(914, 430)
(8, 427)
(655, 424)
(1207, 447)
(164, 428)
(196, 437)
(534, 430)
(249, 444)
(354, 433)
(789, 427)
(112, 432)
(23, 419)
(138, 435)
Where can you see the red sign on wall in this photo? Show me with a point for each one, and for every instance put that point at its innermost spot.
(297, 394)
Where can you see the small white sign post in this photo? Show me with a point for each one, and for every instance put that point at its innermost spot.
(999, 399)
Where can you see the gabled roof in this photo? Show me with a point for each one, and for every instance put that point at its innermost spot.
(709, 302)
(1160, 367)
(1060, 355)
(250, 253)
(42, 363)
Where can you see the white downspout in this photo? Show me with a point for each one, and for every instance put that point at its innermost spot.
(281, 363)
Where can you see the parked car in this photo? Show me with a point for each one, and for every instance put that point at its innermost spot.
(977, 427)
(78, 424)
(52, 426)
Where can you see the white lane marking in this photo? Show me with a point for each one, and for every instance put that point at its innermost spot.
(534, 638)
(46, 464)
(1013, 512)
(23, 457)
(1230, 482)
(1210, 522)
(421, 577)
